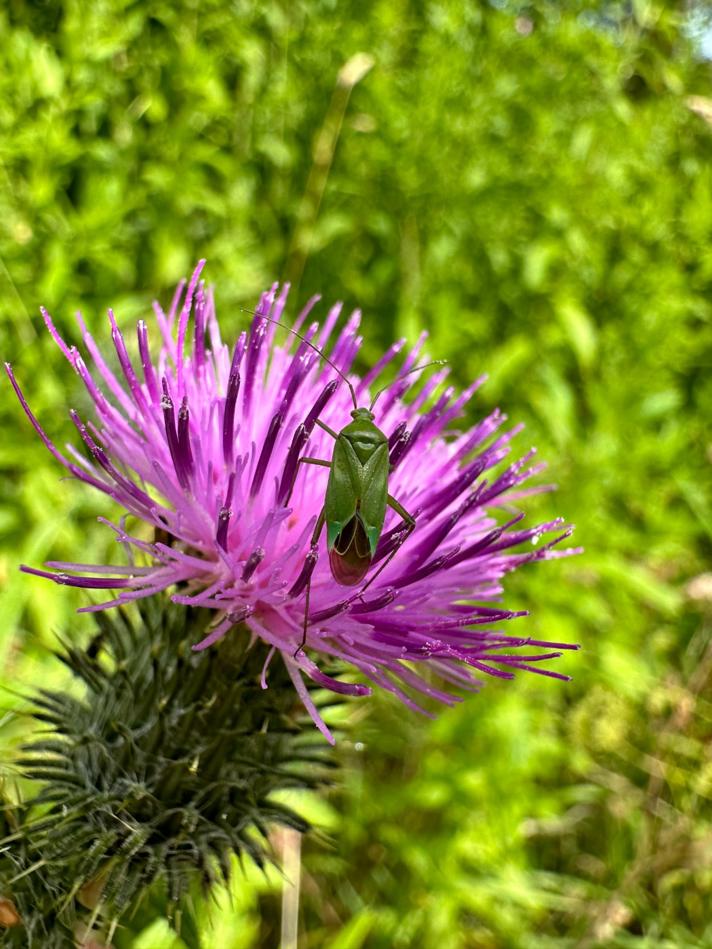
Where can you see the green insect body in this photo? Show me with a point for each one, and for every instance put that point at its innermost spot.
(356, 494)
(356, 498)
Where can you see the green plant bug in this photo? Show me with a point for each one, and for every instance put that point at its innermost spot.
(357, 495)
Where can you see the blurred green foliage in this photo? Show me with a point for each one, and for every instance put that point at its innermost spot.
(532, 183)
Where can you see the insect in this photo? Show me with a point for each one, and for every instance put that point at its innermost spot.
(356, 493)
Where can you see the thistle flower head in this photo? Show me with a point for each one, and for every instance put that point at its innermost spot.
(201, 440)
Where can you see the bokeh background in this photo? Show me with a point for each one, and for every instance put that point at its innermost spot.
(532, 184)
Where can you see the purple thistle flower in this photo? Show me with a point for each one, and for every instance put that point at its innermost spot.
(203, 442)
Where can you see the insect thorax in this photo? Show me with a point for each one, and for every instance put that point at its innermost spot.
(364, 438)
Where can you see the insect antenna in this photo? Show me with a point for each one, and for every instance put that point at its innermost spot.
(315, 348)
(425, 365)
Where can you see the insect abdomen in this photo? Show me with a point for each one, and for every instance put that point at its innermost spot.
(350, 557)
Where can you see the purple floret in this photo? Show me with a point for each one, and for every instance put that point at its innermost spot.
(202, 441)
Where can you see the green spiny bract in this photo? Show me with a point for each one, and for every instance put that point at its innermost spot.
(29, 901)
(156, 776)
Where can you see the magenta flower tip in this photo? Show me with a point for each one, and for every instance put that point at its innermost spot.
(202, 441)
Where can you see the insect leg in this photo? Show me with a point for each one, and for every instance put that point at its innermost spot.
(409, 522)
(325, 427)
(319, 526)
(399, 509)
(315, 461)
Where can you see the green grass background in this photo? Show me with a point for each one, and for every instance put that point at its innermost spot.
(529, 182)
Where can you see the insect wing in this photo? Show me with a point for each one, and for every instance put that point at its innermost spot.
(350, 557)
(372, 508)
(342, 491)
